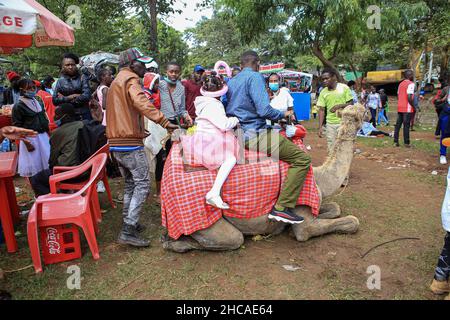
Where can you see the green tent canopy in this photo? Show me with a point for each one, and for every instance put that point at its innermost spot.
(349, 75)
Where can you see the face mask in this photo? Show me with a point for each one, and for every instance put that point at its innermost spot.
(29, 94)
(170, 81)
(274, 86)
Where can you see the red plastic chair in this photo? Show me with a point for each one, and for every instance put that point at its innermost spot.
(78, 185)
(61, 209)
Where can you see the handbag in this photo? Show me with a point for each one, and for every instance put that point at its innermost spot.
(157, 135)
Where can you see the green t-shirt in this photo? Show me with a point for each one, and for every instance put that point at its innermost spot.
(330, 98)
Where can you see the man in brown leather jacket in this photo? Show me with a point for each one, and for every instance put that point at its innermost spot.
(125, 131)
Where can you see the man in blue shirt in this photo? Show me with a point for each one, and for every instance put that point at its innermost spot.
(249, 101)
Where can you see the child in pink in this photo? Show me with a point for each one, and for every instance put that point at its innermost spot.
(213, 144)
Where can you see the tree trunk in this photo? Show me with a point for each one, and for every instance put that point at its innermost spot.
(326, 63)
(352, 66)
(153, 27)
(445, 57)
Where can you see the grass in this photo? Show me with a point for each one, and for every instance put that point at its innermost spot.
(430, 147)
(426, 177)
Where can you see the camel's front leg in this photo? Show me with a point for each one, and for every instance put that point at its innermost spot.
(330, 210)
(313, 227)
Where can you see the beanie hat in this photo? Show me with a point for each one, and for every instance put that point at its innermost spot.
(132, 54)
(150, 79)
(11, 75)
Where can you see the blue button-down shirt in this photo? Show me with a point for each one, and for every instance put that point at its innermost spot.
(249, 101)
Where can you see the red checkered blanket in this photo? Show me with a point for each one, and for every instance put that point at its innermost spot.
(251, 190)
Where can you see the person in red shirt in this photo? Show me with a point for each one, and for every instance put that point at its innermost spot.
(405, 108)
(192, 89)
(47, 99)
(439, 105)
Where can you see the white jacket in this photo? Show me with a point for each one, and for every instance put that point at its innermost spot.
(211, 116)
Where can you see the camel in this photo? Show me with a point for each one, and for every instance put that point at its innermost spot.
(228, 233)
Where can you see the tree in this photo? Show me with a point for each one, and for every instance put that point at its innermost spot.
(214, 39)
(417, 26)
(312, 26)
(149, 10)
(219, 38)
(106, 25)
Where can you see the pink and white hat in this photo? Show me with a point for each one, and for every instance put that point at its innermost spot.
(214, 94)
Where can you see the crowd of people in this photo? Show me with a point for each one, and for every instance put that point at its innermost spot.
(112, 110)
(121, 110)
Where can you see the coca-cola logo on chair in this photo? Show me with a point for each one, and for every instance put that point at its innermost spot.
(52, 240)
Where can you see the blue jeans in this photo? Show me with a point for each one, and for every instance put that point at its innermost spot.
(382, 117)
(137, 183)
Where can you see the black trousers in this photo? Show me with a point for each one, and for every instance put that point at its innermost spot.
(40, 184)
(377, 133)
(442, 272)
(161, 160)
(40, 181)
(438, 126)
(404, 119)
(373, 113)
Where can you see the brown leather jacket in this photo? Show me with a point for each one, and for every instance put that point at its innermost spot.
(127, 106)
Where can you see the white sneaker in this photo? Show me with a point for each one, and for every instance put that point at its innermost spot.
(443, 160)
(101, 187)
(216, 201)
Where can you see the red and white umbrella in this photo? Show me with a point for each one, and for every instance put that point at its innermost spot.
(23, 20)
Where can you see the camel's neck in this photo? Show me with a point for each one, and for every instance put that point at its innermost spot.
(331, 175)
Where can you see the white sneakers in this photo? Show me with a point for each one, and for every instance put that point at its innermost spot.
(443, 160)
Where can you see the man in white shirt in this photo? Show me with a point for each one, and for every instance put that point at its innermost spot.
(281, 98)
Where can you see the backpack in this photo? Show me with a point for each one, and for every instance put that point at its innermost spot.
(91, 137)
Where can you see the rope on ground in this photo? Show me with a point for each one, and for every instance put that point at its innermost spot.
(132, 281)
(384, 243)
(17, 270)
(343, 190)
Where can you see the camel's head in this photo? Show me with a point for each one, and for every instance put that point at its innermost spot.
(352, 118)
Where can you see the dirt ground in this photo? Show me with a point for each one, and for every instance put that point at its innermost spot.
(392, 192)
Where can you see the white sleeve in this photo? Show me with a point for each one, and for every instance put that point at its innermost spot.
(290, 100)
(219, 119)
(411, 89)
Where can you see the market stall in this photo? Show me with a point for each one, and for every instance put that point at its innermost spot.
(299, 84)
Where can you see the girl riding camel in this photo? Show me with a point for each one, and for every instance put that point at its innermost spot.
(213, 144)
